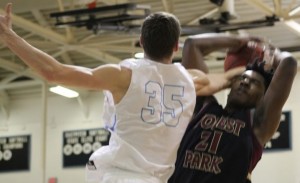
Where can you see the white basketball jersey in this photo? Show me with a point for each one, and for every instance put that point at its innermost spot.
(147, 125)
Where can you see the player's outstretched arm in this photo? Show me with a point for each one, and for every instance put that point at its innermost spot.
(50, 69)
(209, 84)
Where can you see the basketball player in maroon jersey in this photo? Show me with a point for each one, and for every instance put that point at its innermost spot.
(224, 144)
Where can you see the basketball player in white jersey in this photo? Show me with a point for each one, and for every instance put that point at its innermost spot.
(148, 104)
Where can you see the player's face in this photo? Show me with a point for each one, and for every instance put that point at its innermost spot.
(247, 90)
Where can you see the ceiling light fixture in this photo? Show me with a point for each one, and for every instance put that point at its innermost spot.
(293, 25)
(64, 91)
(139, 55)
(294, 11)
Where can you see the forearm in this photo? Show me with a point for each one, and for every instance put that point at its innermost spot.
(197, 47)
(208, 43)
(209, 84)
(285, 72)
(268, 114)
(43, 64)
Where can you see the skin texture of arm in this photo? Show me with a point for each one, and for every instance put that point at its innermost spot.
(208, 84)
(268, 112)
(106, 77)
(194, 50)
(197, 47)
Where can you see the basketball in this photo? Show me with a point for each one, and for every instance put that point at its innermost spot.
(245, 55)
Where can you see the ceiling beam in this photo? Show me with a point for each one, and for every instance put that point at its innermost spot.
(118, 49)
(207, 14)
(98, 55)
(5, 111)
(69, 33)
(10, 78)
(293, 25)
(167, 6)
(292, 4)
(66, 58)
(4, 98)
(111, 40)
(277, 7)
(37, 29)
(17, 68)
(9, 65)
(43, 44)
(111, 2)
(20, 84)
(4, 95)
(40, 18)
(262, 6)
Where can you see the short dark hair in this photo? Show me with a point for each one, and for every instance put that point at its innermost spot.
(160, 33)
(258, 66)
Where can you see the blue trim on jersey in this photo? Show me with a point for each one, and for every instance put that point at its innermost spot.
(163, 104)
(175, 100)
(154, 96)
(113, 127)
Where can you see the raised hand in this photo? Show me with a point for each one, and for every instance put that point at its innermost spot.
(5, 20)
(243, 42)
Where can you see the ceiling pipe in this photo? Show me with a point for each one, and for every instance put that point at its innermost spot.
(20, 84)
(4, 104)
(229, 6)
(44, 128)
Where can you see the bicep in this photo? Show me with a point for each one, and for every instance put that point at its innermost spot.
(100, 78)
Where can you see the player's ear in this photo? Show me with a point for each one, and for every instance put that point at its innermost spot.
(176, 47)
(141, 41)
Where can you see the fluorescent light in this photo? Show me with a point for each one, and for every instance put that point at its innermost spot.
(293, 24)
(139, 55)
(64, 91)
(294, 11)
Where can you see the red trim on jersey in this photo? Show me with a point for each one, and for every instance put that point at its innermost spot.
(256, 152)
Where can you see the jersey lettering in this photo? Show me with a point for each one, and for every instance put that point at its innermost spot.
(152, 113)
(204, 142)
(204, 157)
(202, 145)
(164, 104)
(202, 161)
(229, 125)
(215, 142)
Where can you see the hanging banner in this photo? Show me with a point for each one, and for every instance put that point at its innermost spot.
(14, 153)
(281, 140)
(78, 145)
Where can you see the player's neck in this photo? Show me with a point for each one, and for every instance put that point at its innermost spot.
(232, 108)
(163, 61)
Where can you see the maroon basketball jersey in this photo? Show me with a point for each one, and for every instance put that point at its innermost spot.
(217, 147)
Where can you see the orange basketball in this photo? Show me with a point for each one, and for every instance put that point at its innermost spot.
(245, 55)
